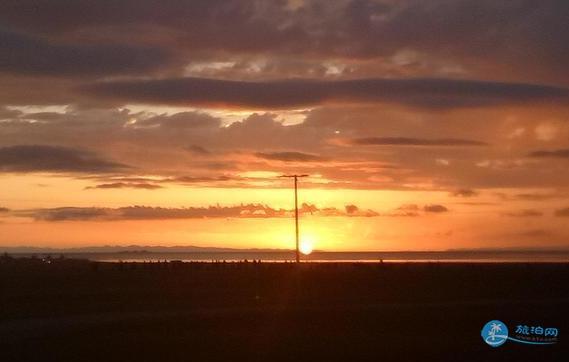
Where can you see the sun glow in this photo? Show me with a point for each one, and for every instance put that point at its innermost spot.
(306, 245)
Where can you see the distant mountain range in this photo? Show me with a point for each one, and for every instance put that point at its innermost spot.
(129, 249)
(198, 249)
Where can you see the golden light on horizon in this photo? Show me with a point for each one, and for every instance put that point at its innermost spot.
(306, 244)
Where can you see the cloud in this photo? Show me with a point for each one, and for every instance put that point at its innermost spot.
(122, 185)
(200, 179)
(6, 113)
(26, 55)
(353, 210)
(562, 153)
(525, 213)
(197, 150)
(298, 93)
(434, 208)
(152, 183)
(289, 156)
(42, 158)
(414, 209)
(536, 233)
(180, 121)
(4, 209)
(68, 213)
(200, 25)
(350, 209)
(157, 213)
(464, 193)
(536, 196)
(405, 141)
(163, 150)
(408, 210)
(504, 39)
(562, 212)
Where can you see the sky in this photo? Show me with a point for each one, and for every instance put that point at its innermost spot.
(422, 124)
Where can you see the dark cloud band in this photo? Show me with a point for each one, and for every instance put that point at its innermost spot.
(435, 208)
(42, 158)
(25, 55)
(125, 185)
(289, 156)
(157, 213)
(406, 141)
(283, 94)
(563, 153)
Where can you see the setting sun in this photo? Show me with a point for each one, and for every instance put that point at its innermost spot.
(306, 245)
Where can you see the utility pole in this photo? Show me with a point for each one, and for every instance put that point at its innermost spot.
(296, 212)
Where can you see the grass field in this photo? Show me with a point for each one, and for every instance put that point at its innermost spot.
(77, 310)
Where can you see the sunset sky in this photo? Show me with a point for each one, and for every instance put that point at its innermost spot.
(424, 125)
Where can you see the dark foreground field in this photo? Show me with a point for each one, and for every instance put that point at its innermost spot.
(83, 311)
